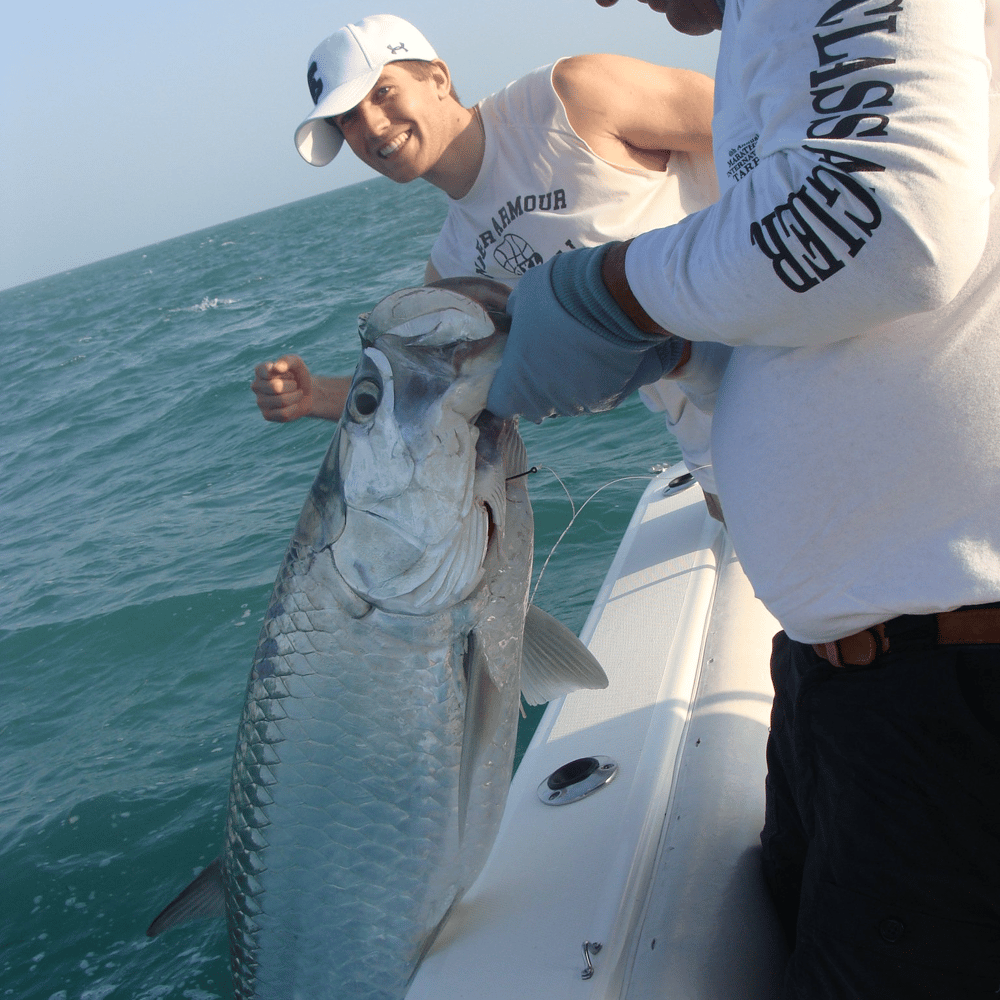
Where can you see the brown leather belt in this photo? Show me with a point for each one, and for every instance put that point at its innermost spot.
(947, 628)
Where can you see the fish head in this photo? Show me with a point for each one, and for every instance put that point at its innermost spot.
(419, 488)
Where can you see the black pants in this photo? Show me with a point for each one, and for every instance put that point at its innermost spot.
(881, 841)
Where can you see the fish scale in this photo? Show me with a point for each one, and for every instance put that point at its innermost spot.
(349, 816)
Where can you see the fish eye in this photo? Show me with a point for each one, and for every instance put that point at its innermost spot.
(364, 400)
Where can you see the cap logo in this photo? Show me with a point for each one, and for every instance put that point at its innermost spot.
(315, 83)
(398, 48)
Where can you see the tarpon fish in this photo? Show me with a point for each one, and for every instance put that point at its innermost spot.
(376, 743)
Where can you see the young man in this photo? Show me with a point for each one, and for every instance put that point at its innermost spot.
(593, 148)
(853, 260)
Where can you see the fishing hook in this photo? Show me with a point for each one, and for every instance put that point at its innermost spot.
(521, 475)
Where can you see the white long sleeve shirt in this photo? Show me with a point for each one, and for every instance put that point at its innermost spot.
(854, 262)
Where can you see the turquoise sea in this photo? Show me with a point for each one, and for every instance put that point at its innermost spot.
(145, 510)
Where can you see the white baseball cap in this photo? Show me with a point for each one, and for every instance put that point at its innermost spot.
(342, 71)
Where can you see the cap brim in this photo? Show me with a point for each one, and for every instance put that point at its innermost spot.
(317, 141)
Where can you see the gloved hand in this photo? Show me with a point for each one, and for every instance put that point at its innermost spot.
(571, 348)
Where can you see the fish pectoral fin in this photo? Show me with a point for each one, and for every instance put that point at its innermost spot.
(554, 661)
(204, 897)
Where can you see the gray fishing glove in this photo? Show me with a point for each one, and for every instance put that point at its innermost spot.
(571, 348)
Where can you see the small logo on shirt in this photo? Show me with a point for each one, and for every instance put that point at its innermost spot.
(515, 254)
(515, 250)
(742, 159)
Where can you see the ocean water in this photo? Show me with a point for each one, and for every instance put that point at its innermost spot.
(146, 508)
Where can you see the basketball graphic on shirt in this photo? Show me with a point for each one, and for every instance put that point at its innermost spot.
(515, 255)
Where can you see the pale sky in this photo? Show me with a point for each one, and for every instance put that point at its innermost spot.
(126, 123)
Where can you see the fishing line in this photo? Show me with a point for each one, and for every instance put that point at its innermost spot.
(576, 514)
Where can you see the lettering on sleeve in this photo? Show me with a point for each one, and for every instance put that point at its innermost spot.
(833, 215)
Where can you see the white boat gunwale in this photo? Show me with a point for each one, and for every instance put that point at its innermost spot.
(658, 867)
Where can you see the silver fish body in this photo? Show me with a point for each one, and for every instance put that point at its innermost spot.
(375, 746)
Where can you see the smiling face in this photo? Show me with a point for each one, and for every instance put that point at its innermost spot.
(404, 125)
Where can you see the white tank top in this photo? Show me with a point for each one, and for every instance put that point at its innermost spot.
(542, 190)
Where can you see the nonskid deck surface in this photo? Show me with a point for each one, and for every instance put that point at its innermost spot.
(658, 867)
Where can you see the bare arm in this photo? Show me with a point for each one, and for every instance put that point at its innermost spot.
(634, 113)
(286, 390)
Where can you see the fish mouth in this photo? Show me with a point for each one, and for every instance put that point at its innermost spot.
(384, 152)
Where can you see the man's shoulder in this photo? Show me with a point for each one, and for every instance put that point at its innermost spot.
(524, 100)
